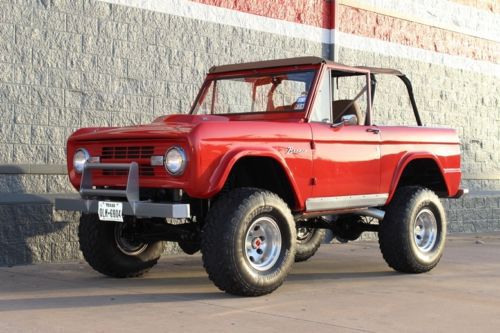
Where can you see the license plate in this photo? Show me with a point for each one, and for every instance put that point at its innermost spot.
(110, 211)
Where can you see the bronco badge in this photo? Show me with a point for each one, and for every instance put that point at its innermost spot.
(292, 150)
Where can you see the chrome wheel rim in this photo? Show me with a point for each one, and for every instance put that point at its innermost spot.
(263, 243)
(304, 234)
(425, 230)
(126, 246)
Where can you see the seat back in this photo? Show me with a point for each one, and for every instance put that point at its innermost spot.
(339, 109)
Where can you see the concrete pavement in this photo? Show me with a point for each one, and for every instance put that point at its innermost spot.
(344, 288)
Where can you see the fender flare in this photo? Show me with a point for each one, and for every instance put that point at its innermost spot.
(226, 164)
(403, 163)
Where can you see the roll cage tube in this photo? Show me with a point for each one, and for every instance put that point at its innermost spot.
(409, 88)
(373, 83)
(407, 83)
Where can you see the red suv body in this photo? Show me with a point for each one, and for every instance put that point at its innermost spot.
(299, 129)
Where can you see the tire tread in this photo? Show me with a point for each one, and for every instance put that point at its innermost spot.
(394, 245)
(218, 260)
(309, 249)
(93, 236)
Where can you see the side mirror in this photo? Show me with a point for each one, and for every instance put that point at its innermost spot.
(347, 120)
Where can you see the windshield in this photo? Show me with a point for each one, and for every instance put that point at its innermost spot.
(278, 92)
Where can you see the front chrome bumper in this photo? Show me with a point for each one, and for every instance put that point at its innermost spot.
(132, 206)
(137, 208)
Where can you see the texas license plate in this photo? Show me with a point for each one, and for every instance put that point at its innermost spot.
(110, 211)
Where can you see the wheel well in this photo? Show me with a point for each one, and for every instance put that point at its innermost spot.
(261, 172)
(424, 172)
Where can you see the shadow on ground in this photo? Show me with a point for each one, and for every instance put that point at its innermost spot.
(27, 232)
(176, 279)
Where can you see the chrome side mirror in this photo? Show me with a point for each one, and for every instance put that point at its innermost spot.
(347, 120)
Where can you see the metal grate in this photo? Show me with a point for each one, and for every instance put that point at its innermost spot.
(132, 153)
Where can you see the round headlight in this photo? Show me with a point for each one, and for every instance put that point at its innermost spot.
(81, 156)
(175, 160)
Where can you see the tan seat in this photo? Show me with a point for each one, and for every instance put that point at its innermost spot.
(341, 105)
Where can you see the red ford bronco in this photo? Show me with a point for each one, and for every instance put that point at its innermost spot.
(271, 155)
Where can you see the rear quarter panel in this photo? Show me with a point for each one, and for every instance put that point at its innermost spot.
(401, 144)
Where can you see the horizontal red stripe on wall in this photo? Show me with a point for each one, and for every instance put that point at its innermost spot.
(487, 5)
(373, 25)
(318, 13)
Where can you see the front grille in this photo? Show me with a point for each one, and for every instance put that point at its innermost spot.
(129, 153)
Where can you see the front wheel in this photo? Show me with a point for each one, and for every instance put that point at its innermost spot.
(108, 250)
(248, 242)
(413, 232)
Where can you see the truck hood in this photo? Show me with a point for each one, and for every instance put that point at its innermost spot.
(165, 127)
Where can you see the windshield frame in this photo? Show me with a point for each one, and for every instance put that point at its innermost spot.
(204, 89)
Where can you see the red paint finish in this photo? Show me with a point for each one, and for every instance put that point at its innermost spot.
(387, 28)
(400, 145)
(213, 145)
(318, 13)
(318, 160)
(346, 160)
(221, 145)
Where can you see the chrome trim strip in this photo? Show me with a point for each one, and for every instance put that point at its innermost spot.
(351, 201)
(156, 160)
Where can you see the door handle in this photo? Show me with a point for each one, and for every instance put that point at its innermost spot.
(373, 130)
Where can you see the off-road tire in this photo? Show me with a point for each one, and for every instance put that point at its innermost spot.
(307, 248)
(224, 245)
(398, 231)
(100, 250)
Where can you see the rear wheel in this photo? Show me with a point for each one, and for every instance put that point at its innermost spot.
(308, 242)
(248, 242)
(413, 232)
(108, 250)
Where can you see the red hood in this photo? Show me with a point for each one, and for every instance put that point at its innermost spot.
(166, 127)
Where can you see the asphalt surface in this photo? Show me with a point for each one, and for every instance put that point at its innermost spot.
(344, 288)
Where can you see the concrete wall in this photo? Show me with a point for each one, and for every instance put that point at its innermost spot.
(451, 54)
(66, 64)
